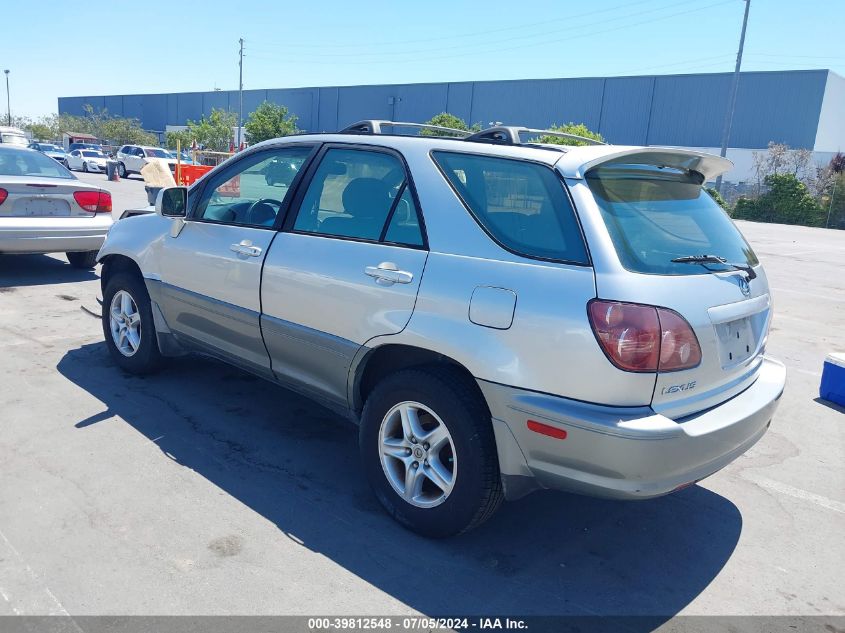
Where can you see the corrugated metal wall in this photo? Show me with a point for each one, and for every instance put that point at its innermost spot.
(686, 110)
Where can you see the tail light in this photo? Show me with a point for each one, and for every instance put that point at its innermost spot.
(3, 195)
(95, 201)
(643, 338)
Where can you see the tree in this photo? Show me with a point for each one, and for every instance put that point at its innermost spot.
(114, 129)
(182, 136)
(835, 202)
(787, 201)
(267, 121)
(444, 119)
(44, 129)
(578, 129)
(214, 132)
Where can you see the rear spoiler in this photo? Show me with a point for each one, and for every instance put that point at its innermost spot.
(577, 164)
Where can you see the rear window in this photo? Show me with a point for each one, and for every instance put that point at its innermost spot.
(27, 162)
(656, 214)
(521, 205)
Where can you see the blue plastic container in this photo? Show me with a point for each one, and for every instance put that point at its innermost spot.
(832, 387)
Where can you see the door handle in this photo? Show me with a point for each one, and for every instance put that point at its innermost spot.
(388, 273)
(245, 247)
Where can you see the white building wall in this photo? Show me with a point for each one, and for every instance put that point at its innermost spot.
(830, 136)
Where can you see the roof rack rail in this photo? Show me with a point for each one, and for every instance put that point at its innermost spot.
(512, 135)
(374, 126)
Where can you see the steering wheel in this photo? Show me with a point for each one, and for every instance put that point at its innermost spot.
(251, 209)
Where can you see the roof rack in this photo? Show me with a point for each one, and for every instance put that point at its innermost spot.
(501, 134)
(512, 135)
(374, 126)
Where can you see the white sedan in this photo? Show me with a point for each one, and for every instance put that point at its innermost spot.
(45, 209)
(87, 160)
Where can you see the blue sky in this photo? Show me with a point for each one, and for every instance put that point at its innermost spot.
(180, 45)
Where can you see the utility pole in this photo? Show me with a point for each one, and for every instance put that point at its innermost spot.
(240, 91)
(726, 132)
(8, 102)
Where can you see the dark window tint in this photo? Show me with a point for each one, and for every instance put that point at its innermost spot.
(656, 214)
(353, 193)
(404, 227)
(521, 204)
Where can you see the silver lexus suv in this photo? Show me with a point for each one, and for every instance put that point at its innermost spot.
(497, 315)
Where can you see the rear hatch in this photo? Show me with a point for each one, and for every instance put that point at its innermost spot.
(658, 213)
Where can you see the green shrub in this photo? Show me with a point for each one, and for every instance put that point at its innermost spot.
(717, 197)
(788, 201)
(578, 129)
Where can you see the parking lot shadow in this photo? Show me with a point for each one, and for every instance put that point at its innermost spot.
(38, 270)
(297, 465)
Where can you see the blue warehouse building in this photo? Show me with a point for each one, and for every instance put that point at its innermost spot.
(804, 108)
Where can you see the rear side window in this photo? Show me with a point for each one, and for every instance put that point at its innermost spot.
(522, 205)
(360, 194)
(657, 214)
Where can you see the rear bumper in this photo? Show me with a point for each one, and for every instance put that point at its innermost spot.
(53, 235)
(626, 453)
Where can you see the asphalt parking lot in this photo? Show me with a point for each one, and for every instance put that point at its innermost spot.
(204, 490)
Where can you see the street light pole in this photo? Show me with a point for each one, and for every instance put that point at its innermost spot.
(240, 91)
(8, 102)
(726, 131)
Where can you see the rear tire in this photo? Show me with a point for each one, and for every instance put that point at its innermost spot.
(138, 352)
(85, 259)
(471, 464)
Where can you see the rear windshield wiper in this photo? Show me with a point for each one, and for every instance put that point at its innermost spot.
(715, 259)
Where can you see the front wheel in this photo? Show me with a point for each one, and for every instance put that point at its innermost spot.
(121, 170)
(85, 260)
(128, 325)
(429, 453)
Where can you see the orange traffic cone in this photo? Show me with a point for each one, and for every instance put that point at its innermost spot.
(115, 175)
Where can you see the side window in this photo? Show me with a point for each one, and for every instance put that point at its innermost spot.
(357, 193)
(404, 227)
(252, 192)
(522, 205)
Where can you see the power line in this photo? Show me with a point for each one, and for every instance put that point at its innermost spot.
(441, 38)
(497, 49)
(466, 45)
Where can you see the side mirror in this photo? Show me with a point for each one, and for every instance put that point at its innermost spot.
(172, 202)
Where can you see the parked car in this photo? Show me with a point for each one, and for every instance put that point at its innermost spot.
(93, 146)
(56, 152)
(184, 157)
(132, 158)
(87, 160)
(13, 136)
(45, 209)
(497, 315)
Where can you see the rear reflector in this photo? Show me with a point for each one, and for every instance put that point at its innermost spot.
(545, 429)
(94, 201)
(3, 195)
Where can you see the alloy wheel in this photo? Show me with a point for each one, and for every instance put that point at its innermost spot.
(125, 323)
(417, 454)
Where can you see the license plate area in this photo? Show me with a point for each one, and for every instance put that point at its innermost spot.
(737, 342)
(42, 207)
